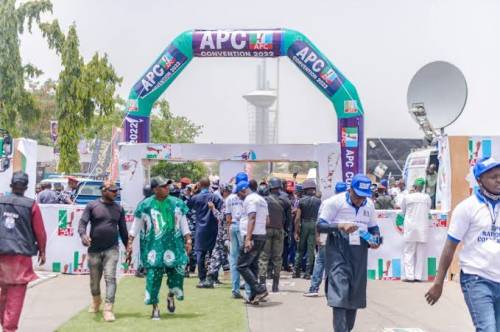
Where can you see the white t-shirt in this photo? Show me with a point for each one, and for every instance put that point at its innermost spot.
(471, 223)
(337, 210)
(254, 204)
(234, 207)
(416, 207)
(399, 198)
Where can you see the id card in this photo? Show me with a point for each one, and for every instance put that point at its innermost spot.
(354, 238)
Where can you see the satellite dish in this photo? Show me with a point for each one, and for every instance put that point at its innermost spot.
(440, 89)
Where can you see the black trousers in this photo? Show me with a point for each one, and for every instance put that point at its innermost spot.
(248, 264)
(343, 319)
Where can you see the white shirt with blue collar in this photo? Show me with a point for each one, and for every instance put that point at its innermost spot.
(339, 209)
(475, 222)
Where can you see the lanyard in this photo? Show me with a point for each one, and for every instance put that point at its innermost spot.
(493, 212)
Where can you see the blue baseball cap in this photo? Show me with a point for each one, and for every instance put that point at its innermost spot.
(361, 185)
(484, 165)
(384, 182)
(241, 176)
(340, 187)
(242, 185)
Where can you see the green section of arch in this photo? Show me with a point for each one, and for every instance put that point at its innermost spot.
(184, 43)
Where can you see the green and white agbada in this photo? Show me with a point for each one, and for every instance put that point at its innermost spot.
(162, 226)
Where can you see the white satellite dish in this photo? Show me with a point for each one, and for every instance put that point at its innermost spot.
(440, 90)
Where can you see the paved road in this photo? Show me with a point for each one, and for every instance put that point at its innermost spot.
(391, 304)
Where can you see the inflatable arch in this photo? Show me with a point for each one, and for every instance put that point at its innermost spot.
(259, 44)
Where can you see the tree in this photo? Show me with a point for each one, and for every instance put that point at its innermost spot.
(17, 104)
(84, 92)
(169, 128)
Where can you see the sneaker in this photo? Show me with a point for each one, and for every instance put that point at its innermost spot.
(311, 293)
(155, 315)
(237, 295)
(171, 303)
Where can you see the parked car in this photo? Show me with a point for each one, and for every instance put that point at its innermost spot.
(90, 190)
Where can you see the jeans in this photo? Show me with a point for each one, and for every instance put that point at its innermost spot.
(103, 262)
(319, 269)
(273, 249)
(11, 305)
(483, 300)
(234, 253)
(343, 319)
(248, 264)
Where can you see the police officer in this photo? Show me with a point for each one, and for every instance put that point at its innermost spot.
(305, 227)
(22, 235)
(280, 214)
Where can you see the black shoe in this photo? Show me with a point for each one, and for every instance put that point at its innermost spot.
(171, 303)
(296, 275)
(155, 315)
(218, 282)
(260, 296)
(206, 284)
(307, 276)
(276, 281)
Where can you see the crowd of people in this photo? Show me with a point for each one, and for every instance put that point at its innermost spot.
(261, 229)
(46, 193)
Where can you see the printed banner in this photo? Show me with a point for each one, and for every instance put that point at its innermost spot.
(316, 67)
(136, 129)
(160, 72)
(54, 130)
(237, 43)
(386, 263)
(351, 138)
(65, 252)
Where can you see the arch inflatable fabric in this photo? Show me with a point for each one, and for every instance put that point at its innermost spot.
(259, 44)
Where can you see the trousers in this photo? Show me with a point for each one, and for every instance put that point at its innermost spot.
(11, 305)
(103, 262)
(273, 249)
(307, 243)
(175, 283)
(414, 260)
(248, 264)
(343, 319)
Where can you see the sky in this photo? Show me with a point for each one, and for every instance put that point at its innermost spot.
(377, 44)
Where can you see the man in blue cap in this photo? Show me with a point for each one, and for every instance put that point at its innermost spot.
(253, 230)
(233, 211)
(474, 223)
(349, 221)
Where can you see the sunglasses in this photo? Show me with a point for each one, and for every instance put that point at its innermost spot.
(113, 190)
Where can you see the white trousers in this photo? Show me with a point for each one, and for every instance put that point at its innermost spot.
(414, 260)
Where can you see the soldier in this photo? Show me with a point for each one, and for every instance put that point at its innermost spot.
(305, 228)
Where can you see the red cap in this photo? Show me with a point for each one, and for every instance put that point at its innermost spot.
(185, 181)
(72, 178)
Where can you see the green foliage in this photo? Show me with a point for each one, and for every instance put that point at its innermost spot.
(16, 104)
(84, 93)
(194, 170)
(169, 128)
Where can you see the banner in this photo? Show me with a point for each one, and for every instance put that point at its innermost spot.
(386, 262)
(237, 43)
(136, 129)
(65, 252)
(351, 138)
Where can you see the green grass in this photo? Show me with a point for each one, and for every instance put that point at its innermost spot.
(202, 310)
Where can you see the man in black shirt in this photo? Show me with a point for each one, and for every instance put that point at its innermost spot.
(107, 222)
(305, 228)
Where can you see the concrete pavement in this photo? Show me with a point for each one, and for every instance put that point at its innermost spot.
(391, 304)
(52, 302)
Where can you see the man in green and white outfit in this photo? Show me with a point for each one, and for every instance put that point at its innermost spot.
(165, 243)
